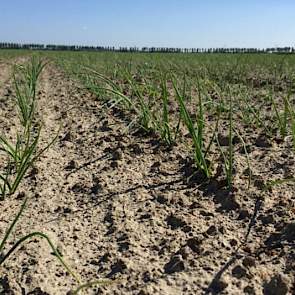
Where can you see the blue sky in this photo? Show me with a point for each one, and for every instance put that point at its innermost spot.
(171, 23)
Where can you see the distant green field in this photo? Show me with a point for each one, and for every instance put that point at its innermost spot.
(11, 53)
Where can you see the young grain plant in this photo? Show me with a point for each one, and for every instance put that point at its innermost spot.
(200, 152)
(23, 153)
(228, 156)
(20, 157)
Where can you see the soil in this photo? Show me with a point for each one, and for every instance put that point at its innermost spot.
(118, 206)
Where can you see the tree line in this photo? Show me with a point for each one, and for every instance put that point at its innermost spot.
(5, 45)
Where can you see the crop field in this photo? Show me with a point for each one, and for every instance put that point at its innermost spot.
(147, 173)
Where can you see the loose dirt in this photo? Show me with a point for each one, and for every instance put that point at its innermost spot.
(119, 206)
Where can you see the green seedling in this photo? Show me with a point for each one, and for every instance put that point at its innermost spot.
(196, 132)
(229, 156)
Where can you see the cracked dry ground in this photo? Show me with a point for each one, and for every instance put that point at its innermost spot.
(118, 206)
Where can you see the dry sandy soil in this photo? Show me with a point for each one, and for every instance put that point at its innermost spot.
(118, 206)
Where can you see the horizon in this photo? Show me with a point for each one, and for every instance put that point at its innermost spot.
(136, 48)
(168, 24)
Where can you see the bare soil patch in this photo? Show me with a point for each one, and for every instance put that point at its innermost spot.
(119, 206)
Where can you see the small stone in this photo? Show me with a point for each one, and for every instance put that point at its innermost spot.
(289, 232)
(176, 264)
(145, 216)
(219, 285)
(276, 286)
(194, 205)
(5, 287)
(78, 188)
(71, 165)
(136, 149)
(195, 244)
(212, 230)
(259, 183)
(184, 252)
(262, 141)
(96, 188)
(233, 242)
(213, 186)
(94, 262)
(117, 154)
(248, 249)
(118, 267)
(206, 213)
(273, 238)
(34, 171)
(20, 196)
(228, 201)
(249, 261)
(175, 222)
(247, 172)
(187, 229)
(155, 167)
(223, 140)
(67, 210)
(267, 219)
(235, 140)
(37, 291)
(124, 246)
(244, 214)
(114, 164)
(67, 137)
(249, 290)
(162, 199)
(8, 92)
(239, 272)
(105, 126)
(221, 229)
(246, 149)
